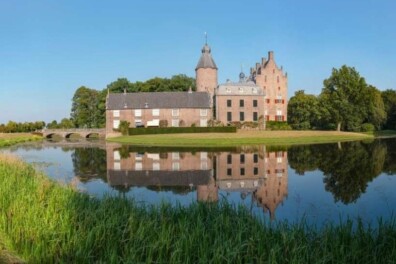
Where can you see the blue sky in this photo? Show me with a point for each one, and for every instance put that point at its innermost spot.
(50, 48)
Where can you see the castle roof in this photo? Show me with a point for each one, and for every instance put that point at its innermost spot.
(243, 87)
(158, 100)
(206, 60)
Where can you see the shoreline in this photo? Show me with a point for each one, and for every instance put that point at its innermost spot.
(241, 138)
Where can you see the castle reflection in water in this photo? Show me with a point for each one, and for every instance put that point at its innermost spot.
(258, 172)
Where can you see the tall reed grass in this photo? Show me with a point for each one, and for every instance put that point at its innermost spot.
(50, 223)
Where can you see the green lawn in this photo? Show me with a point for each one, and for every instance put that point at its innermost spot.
(241, 138)
(8, 139)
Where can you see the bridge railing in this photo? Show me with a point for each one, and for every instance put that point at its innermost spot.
(72, 130)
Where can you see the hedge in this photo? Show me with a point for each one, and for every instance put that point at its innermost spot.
(174, 130)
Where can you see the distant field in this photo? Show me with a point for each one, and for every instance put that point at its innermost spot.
(241, 138)
(8, 139)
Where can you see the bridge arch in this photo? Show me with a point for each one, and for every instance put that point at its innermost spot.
(52, 135)
(93, 134)
(68, 135)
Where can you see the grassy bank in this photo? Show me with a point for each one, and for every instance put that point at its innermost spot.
(49, 223)
(241, 138)
(8, 139)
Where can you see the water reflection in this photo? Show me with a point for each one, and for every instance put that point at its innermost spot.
(347, 167)
(322, 181)
(255, 172)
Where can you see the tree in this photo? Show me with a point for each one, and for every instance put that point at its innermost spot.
(376, 113)
(66, 123)
(344, 96)
(389, 98)
(303, 111)
(85, 112)
(52, 125)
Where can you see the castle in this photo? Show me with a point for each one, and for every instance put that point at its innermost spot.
(261, 95)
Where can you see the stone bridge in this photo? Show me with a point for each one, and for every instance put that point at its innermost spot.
(82, 132)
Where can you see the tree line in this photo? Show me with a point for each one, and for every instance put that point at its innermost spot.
(346, 103)
(14, 127)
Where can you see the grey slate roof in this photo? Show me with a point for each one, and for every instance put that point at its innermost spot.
(239, 88)
(158, 100)
(206, 60)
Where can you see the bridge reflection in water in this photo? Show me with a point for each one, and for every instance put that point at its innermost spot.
(259, 173)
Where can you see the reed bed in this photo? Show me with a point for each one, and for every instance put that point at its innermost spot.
(50, 223)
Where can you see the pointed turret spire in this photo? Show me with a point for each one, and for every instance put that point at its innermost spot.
(206, 60)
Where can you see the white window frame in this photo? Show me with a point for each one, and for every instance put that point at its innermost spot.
(175, 112)
(204, 164)
(116, 113)
(156, 166)
(203, 122)
(203, 112)
(138, 166)
(155, 112)
(278, 112)
(175, 156)
(138, 112)
(117, 165)
(175, 166)
(175, 122)
(116, 124)
(117, 155)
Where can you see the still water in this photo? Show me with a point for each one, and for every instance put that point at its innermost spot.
(319, 183)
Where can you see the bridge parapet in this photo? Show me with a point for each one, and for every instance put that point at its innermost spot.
(65, 133)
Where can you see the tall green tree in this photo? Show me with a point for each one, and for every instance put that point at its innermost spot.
(389, 98)
(344, 96)
(303, 111)
(376, 113)
(85, 112)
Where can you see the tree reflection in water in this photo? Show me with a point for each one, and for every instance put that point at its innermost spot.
(347, 167)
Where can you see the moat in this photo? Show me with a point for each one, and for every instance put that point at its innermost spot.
(319, 183)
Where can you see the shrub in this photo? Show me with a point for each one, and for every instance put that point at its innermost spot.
(236, 124)
(215, 123)
(249, 124)
(163, 123)
(182, 123)
(277, 125)
(124, 127)
(367, 127)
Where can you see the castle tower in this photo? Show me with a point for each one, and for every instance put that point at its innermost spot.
(273, 80)
(206, 72)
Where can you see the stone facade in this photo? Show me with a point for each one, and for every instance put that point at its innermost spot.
(273, 81)
(206, 80)
(239, 102)
(175, 117)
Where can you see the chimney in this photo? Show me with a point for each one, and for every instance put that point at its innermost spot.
(257, 66)
(263, 61)
(251, 70)
(270, 55)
